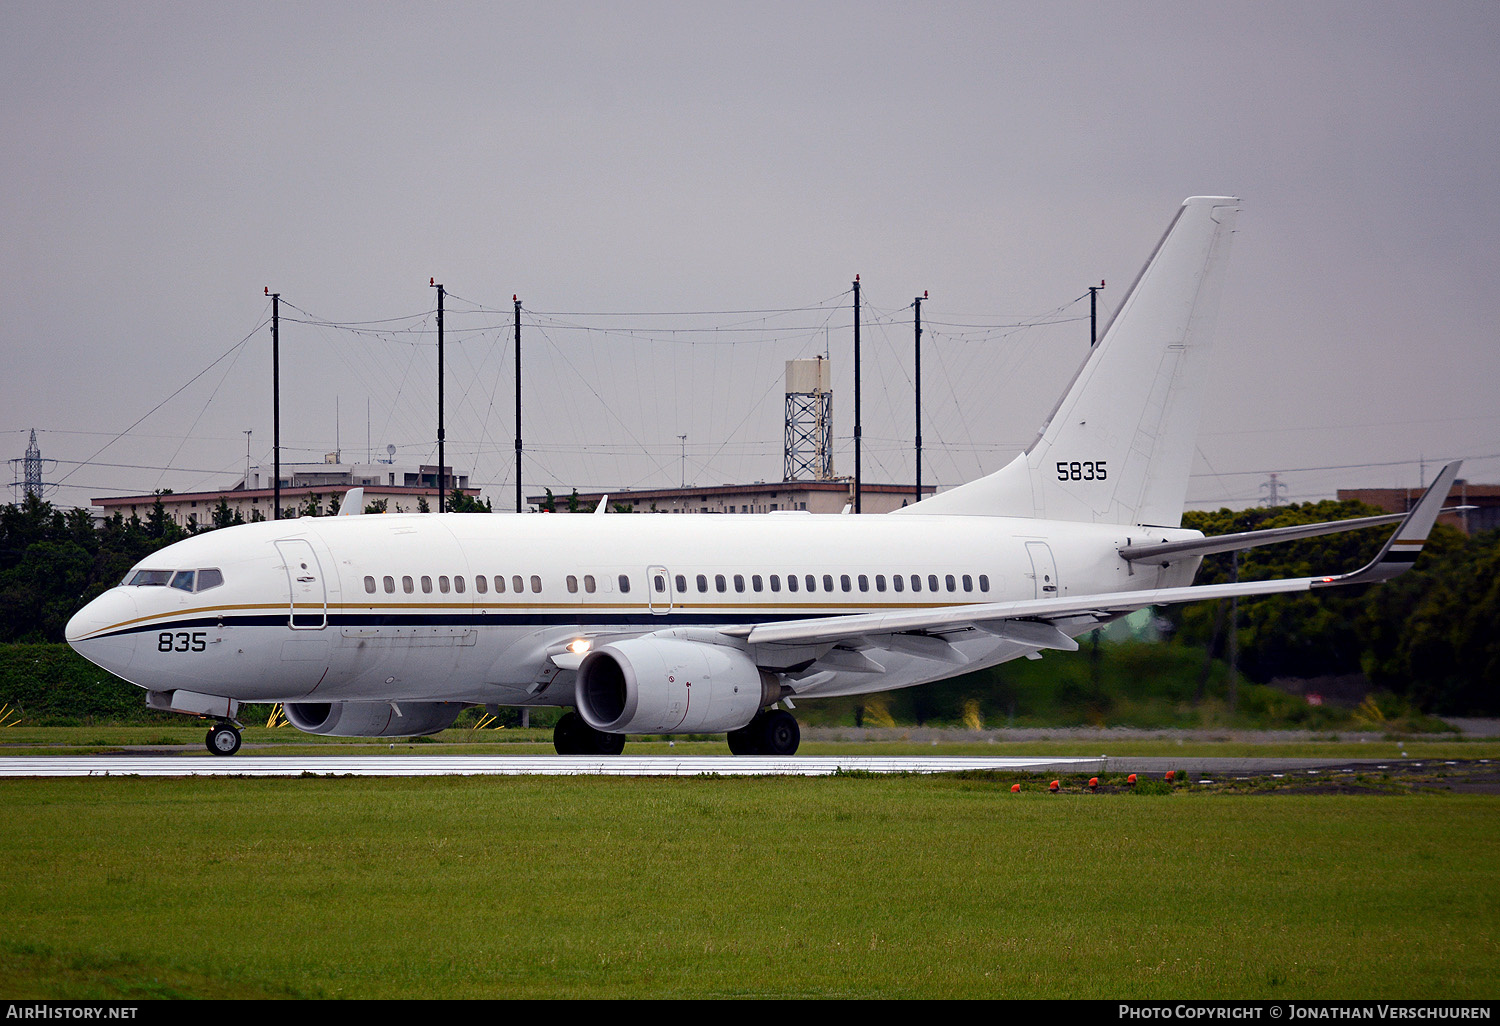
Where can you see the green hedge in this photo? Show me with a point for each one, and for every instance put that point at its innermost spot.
(49, 684)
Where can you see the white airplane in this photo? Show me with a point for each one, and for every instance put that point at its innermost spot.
(382, 626)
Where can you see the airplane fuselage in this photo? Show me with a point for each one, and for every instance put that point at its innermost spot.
(474, 608)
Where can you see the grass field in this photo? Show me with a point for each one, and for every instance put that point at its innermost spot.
(831, 887)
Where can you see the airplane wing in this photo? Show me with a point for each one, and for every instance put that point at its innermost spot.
(1038, 622)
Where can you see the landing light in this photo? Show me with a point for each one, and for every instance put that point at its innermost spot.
(579, 647)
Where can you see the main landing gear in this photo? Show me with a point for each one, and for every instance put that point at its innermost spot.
(572, 736)
(772, 732)
(223, 739)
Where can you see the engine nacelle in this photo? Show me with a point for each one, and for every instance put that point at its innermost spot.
(372, 719)
(669, 686)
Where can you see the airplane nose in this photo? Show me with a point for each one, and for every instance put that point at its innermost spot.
(89, 630)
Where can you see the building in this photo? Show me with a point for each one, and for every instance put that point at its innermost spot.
(760, 497)
(403, 490)
(1399, 500)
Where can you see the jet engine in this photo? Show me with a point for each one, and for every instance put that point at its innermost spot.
(670, 686)
(372, 719)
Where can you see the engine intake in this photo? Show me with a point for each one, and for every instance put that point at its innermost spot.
(372, 719)
(670, 686)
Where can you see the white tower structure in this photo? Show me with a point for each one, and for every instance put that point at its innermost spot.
(808, 446)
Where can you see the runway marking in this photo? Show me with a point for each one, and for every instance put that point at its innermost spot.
(519, 765)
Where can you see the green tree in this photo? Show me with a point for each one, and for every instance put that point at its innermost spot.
(1433, 634)
(460, 502)
(1292, 635)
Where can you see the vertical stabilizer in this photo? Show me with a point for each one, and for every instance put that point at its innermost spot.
(1118, 447)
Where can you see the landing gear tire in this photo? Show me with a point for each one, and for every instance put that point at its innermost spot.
(779, 733)
(743, 741)
(772, 732)
(572, 736)
(223, 739)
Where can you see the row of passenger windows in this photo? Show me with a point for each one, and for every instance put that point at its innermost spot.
(809, 582)
(458, 585)
(721, 583)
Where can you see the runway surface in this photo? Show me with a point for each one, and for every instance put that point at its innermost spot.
(521, 765)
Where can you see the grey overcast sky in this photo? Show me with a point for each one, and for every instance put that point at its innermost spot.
(679, 163)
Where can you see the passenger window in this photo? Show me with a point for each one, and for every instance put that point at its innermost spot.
(458, 585)
(916, 582)
(517, 585)
(443, 583)
(984, 582)
(739, 582)
(499, 585)
(209, 579)
(390, 585)
(952, 584)
(720, 584)
(775, 582)
(864, 582)
(482, 584)
(536, 584)
(624, 583)
(183, 580)
(426, 585)
(932, 584)
(702, 583)
(791, 582)
(828, 582)
(968, 583)
(370, 585)
(681, 583)
(572, 585)
(811, 582)
(659, 582)
(880, 582)
(756, 584)
(844, 581)
(588, 583)
(898, 582)
(407, 586)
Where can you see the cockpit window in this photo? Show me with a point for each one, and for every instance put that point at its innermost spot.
(182, 580)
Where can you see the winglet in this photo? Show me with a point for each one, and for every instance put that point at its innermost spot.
(1401, 550)
(353, 504)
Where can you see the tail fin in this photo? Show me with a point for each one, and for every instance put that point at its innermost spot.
(1118, 447)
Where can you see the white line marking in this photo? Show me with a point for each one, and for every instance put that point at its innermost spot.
(519, 765)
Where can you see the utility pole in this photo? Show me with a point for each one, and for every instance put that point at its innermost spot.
(275, 401)
(857, 431)
(683, 440)
(432, 283)
(917, 305)
(1234, 635)
(247, 459)
(1094, 313)
(517, 300)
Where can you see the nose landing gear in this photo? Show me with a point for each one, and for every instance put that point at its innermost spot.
(223, 739)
